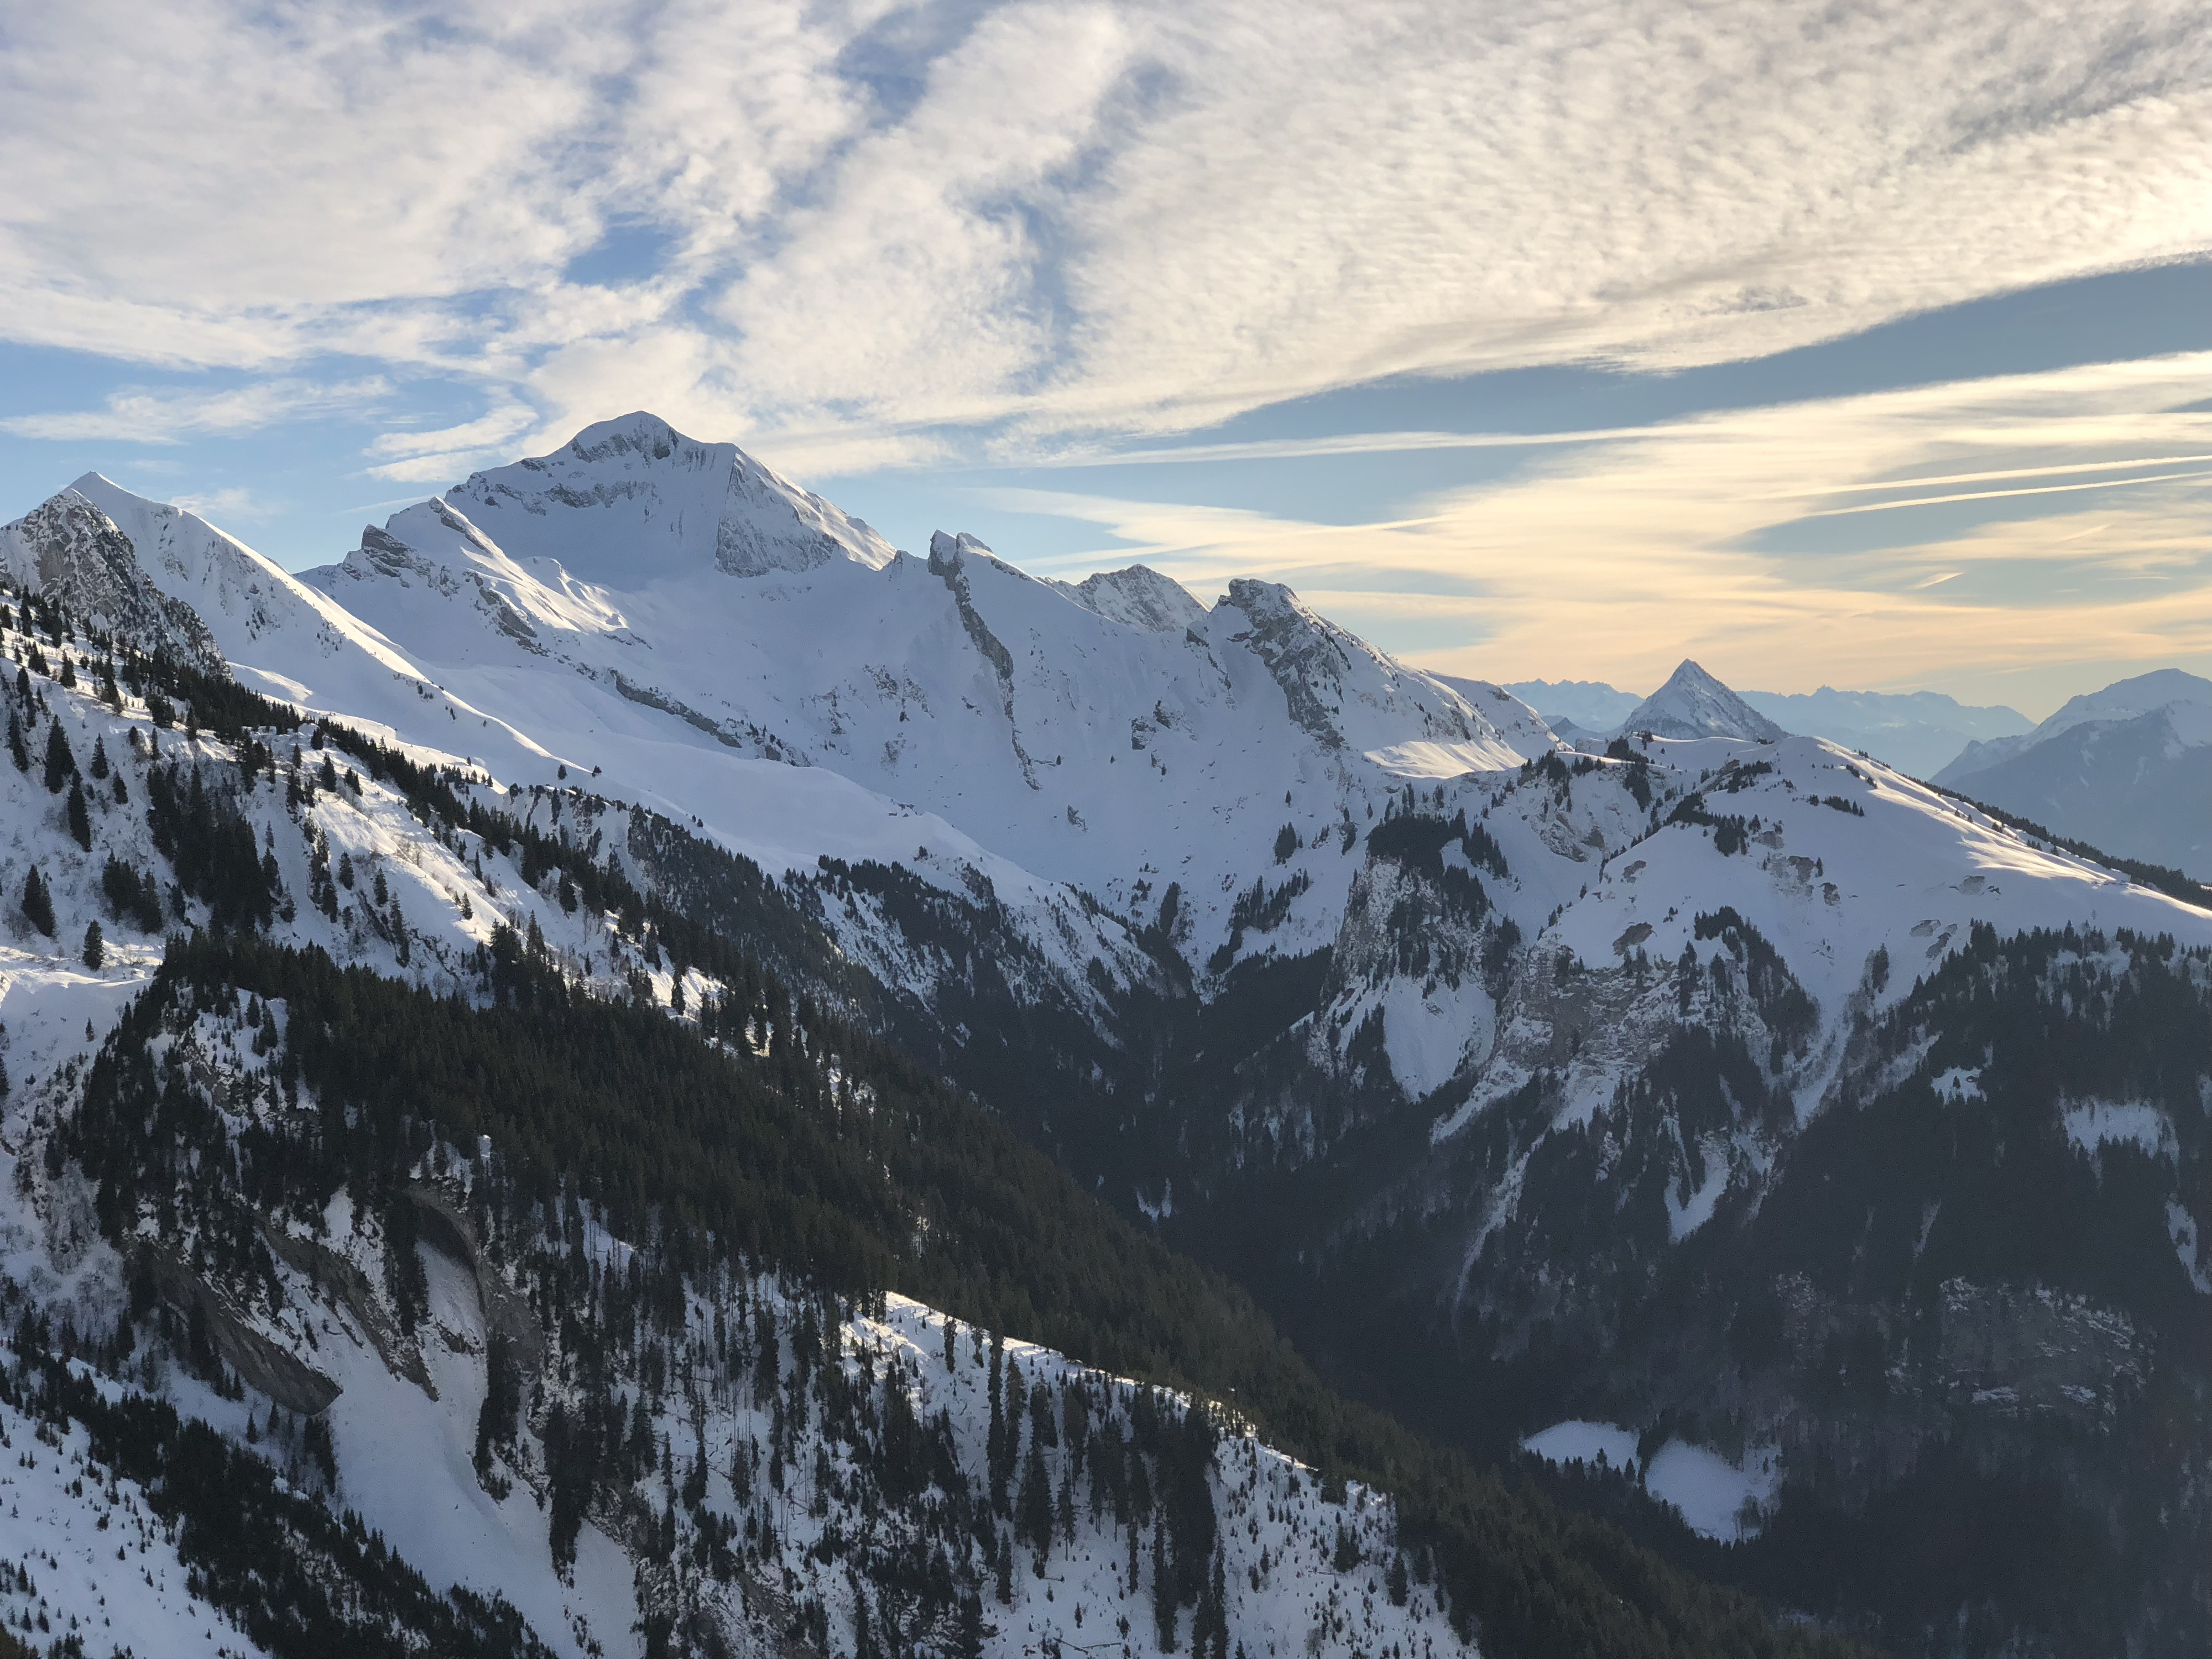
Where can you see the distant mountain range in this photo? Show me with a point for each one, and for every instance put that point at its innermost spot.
(1918, 732)
(2129, 768)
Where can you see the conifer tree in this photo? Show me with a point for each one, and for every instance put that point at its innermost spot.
(37, 902)
(80, 820)
(1042, 1426)
(1209, 1632)
(995, 1452)
(969, 1643)
(1033, 1513)
(16, 751)
(59, 762)
(1163, 1595)
(95, 948)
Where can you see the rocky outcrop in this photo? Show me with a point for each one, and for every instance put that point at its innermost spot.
(331, 1271)
(70, 552)
(261, 1364)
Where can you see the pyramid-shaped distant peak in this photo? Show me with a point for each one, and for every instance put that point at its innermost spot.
(1693, 704)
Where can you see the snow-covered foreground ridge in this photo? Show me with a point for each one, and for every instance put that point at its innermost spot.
(455, 1383)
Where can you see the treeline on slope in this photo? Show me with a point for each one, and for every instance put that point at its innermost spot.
(297, 1579)
(700, 896)
(2091, 1532)
(2171, 882)
(716, 1153)
(205, 1171)
(1862, 1287)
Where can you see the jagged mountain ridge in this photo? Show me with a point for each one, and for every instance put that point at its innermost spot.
(1452, 918)
(1120, 755)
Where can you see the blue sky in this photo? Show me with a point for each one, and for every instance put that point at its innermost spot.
(1861, 344)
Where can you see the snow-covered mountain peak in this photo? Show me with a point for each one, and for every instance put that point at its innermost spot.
(1693, 704)
(2126, 698)
(2170, 691)
(1137, 597)
(2128, 768)
(1340, 689)
(72, 551)
(630, 499)
(949, 550)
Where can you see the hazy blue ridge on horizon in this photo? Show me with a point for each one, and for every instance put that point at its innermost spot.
(1919, 732)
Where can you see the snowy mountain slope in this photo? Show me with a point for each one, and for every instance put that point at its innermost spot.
(631, 500)
(406, 911)
(2123, 700)
(1527, 732)
(1117, 755)
(273, 632)
(1693, 704)
(316, 1334)
(1437, 979)
(2129, 768)
(695, 613)
(1907, 874)
(1831, 857)
(1918, 732)
(1138, 597)
(62, 1575)
(292, 641)
(1784, 1049)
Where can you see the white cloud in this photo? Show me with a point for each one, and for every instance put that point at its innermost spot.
(237, 505)
(445, 466)
(155, 417)
(495, 427)
(448, 453)
(1613, 561)
(1045, 216)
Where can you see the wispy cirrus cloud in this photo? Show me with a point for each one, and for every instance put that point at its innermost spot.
(159, 417)
(863, 235)
(236, 505)
(410, 457)
(1052, 217)
(1710, 537)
